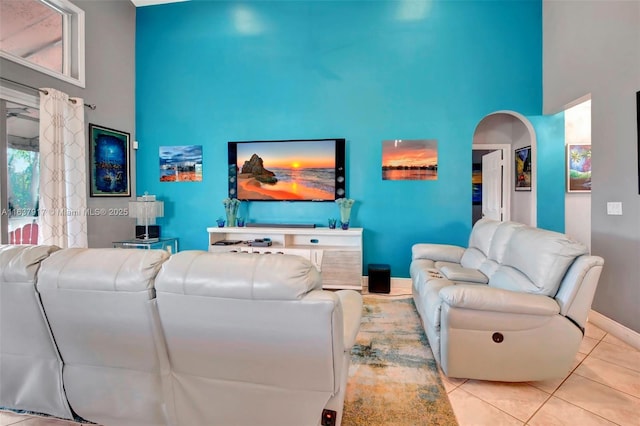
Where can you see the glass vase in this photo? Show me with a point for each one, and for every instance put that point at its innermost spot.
(345, 214)
(231, 219)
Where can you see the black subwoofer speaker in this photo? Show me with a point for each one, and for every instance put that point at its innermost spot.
(379, 278)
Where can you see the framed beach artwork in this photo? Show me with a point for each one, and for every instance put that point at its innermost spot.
(405, 159)
(578, 168)
(109, 162)
(523, 169)
(181, 163)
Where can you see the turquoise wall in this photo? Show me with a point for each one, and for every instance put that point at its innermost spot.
(550, 170)
(213, 71)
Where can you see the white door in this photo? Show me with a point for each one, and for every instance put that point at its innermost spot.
(492, 185)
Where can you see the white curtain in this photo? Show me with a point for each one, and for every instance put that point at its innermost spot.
(63, 171)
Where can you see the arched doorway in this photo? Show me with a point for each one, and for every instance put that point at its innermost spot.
(509, 131)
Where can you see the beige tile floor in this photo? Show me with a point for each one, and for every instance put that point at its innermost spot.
(603, 388)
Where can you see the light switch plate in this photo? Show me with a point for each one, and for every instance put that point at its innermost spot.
(614, 208)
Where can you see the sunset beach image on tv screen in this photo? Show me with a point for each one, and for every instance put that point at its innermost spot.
(295, 170)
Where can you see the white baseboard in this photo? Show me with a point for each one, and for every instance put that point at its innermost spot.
(401, 283)
(615, 329)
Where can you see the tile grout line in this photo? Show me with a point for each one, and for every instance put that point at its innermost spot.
(612, 362)
(574, 372)
(606, 385)
(497, 408)
(571, 372)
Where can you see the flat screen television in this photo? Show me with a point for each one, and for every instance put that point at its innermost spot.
(287, 170)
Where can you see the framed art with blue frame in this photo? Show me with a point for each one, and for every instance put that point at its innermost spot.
(109, 162)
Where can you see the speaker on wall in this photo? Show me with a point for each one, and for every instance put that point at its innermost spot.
(341, 179)
(232, 187)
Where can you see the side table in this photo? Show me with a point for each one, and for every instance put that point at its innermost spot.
(168, 244)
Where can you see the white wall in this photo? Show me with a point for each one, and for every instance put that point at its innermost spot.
(593, 47)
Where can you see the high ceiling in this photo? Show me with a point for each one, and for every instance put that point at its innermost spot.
(32, 30)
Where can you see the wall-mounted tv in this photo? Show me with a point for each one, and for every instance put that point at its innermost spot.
(287, 170)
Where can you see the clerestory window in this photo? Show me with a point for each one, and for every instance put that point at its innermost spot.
(45, 35)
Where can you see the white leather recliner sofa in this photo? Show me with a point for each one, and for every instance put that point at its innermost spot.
(510, 307)
(254, 340)
(133, 337)
(30, 365)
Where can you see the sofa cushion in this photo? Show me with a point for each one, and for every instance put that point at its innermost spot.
(535, 260)
(239, 275)
(19, 263)
(500, 240)
(488, 267)
(99, 303)
(73, 268)
(473, 258)
(482, 234)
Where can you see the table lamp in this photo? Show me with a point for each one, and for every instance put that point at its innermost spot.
(146, 209)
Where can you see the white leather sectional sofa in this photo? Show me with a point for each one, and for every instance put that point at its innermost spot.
(510, 307)
(135, 337)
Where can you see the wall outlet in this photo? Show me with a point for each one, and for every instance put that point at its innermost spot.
(614, 208)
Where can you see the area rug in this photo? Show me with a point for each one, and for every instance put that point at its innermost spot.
(393, 378)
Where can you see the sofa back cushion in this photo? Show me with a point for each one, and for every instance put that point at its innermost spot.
(535, 261)
(240, 275)
(482, 234)
(248, 330)
(99, 303)
(479, 243)
(501, 239)
(487, 245)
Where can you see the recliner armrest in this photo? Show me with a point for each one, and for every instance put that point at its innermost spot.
(351, 302)
(437, 252)
(485, 298)
(460, 273)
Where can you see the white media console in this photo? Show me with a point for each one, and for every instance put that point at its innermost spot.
(337, 253)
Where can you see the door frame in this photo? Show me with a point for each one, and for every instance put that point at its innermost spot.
(506, 173)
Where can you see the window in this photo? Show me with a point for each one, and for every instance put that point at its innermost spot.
(19, 166)
(45, 35)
